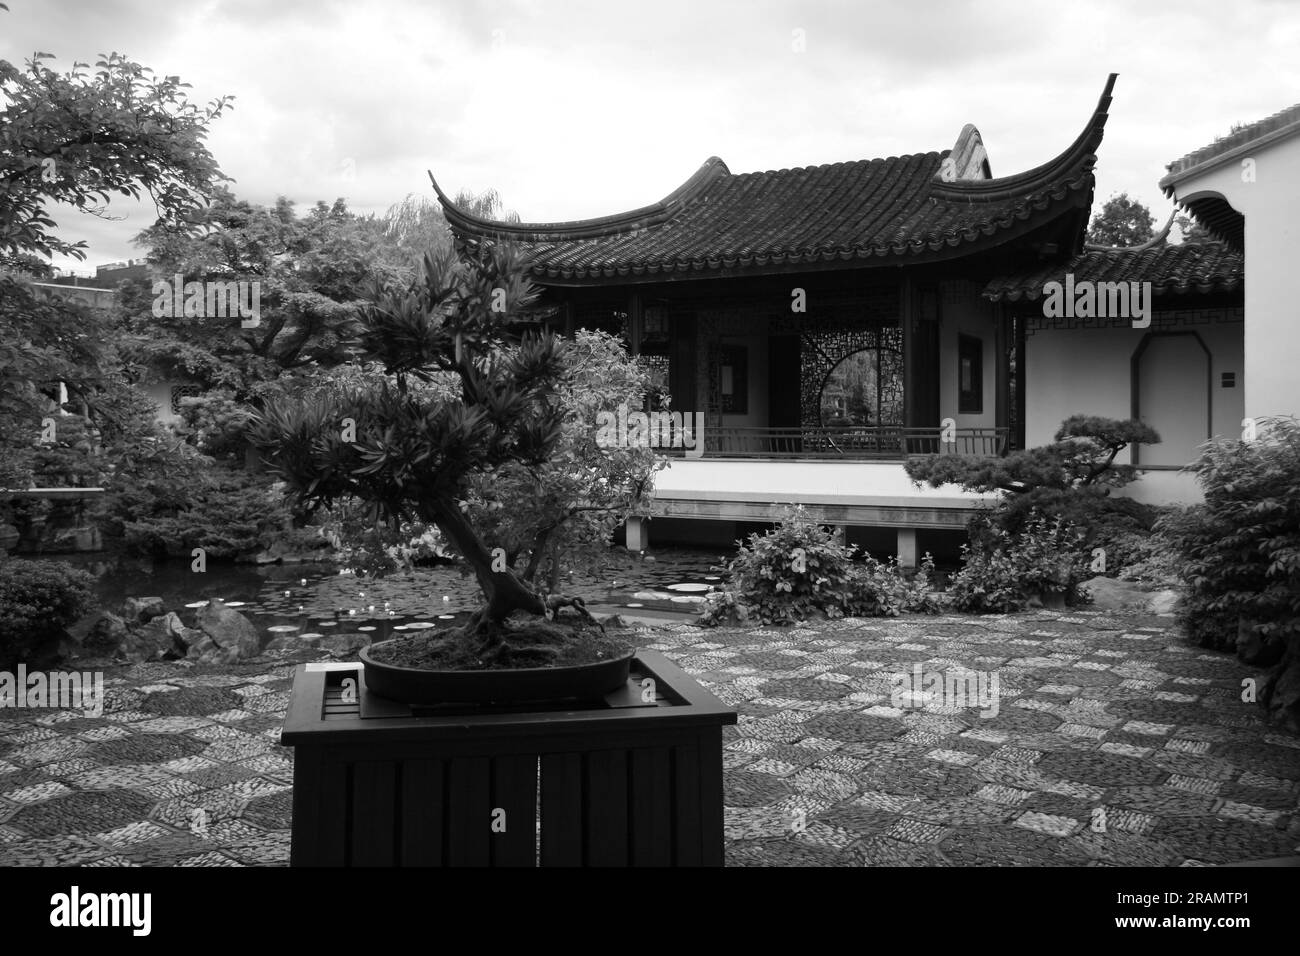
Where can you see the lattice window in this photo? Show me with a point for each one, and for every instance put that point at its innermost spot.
(823, 351)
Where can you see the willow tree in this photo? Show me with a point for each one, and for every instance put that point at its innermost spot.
(412, 452)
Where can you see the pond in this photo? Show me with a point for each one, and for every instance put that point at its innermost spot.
(317, 600)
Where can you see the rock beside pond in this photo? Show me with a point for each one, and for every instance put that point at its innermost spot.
(159, 639)
(228, 630)
(1112, 594)
(104, 635)
(141, 610)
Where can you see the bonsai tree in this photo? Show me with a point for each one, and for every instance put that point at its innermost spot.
(1072, 477)
(414, 450)
(1082, 455)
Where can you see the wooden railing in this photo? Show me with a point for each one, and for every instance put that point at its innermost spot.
(884, 442)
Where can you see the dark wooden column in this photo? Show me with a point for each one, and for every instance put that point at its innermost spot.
(920, 353)
(635, 322)
(681, 363)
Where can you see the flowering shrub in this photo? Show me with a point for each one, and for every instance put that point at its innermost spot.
(798, 570)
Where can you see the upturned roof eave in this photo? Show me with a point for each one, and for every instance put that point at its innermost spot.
(613, 224)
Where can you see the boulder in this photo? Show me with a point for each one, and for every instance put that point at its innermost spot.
(106, 633)
(158, 640)
(1164, 601)
(1112, 594)
(141, 610)
(229, 630)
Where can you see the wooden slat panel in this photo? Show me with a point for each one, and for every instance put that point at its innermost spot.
(606, 808)
(686, 796)
(423, 811)
(304, 846)
(514, 790)
(469, 820)
(651, 807)
(373, 818)
(710, 798)
(334, 822)
(562, 834)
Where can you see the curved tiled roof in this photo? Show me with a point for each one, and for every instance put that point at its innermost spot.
(851, 212)
(1193, 267)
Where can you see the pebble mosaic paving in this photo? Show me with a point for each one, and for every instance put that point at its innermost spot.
(1112, 743)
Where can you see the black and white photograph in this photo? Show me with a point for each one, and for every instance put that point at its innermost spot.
(595, 433)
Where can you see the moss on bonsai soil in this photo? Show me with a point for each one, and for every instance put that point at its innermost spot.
(528, 643)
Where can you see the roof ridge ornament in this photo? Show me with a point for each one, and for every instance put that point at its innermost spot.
(1080, 156)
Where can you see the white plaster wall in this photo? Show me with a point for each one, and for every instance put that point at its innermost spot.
(1271, 205)
(1164, 487)
(1075, 371)
(1088, 371)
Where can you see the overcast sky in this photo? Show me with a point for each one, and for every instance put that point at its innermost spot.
(570, 108)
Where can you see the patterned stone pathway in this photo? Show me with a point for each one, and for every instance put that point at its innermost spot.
(1114, 743)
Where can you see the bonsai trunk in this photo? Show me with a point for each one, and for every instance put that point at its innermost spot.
(504, 591)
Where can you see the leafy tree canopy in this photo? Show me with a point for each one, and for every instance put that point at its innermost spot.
(78, 138)
(1122, 222)
(1082, 454)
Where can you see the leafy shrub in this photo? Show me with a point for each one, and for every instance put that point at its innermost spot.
(883, 589)
(228, 513)
(1001, 571)
(989, 581)
(1107, 521)
(38, 599)
(214, 422)
(798, 570)
(1241, 548)
(1150, 559)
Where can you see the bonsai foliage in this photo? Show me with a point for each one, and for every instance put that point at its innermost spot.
(1072, 478)
(1082, 455)
(412, 453)
(559, 516)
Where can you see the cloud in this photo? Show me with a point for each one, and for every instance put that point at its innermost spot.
(586, 107)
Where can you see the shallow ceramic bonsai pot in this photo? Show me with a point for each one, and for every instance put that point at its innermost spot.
(413, 685)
